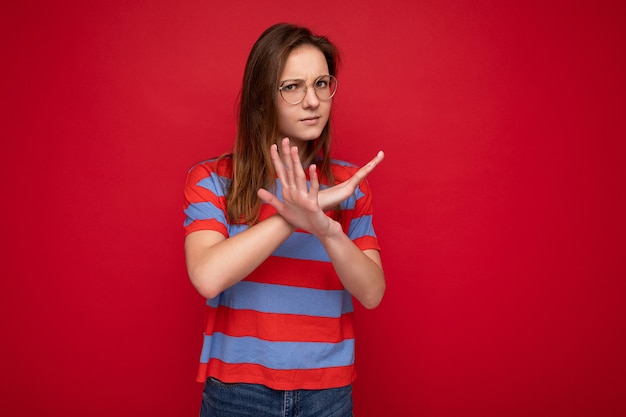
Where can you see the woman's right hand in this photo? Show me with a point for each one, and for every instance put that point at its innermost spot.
(330, 197)
(300, 204)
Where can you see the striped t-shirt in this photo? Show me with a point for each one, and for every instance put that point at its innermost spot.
(289, 324)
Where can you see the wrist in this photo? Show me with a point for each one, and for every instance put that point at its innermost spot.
(280, 219)
(334, 230)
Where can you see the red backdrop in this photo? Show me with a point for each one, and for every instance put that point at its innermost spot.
(500, 205)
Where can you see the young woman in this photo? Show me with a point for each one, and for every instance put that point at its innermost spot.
(279, 239)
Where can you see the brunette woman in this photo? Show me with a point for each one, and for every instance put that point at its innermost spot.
(279, 239)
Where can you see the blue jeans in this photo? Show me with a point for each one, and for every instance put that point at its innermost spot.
(237, 400)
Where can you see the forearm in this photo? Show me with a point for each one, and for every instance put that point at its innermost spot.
(303, 206)
(360, 274)
(216, 266)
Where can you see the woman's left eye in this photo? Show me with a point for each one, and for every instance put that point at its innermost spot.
(321, 83)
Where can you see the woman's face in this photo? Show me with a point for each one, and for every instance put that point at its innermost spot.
(304, 121)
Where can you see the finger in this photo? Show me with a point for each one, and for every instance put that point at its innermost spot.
(269, 198)
(299, 176)
(368, 168)
(374, 162)
(278, 164)
(315, 183)
(286, 153)
(377, 159)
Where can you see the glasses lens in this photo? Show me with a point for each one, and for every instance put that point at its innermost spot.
(325, 87)
(293, 91)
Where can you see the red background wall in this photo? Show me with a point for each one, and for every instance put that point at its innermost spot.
(500, 205)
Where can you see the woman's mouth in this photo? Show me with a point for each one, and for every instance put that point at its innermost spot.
(313, 120)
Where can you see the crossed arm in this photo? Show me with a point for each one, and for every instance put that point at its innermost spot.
(215, 263)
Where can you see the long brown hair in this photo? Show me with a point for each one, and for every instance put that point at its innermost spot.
(258, 118)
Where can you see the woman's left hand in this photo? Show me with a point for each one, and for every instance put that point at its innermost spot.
(300, 205)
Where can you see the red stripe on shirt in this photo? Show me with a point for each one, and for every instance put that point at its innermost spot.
(279, 327)
(210, 224)
(296, 272)
(320, 378)
(367, 242)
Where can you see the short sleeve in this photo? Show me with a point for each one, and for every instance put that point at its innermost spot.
(357, 215)
(205, 198)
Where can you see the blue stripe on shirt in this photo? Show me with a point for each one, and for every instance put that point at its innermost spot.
(215, 183)
(350, 202)
(204, 211)
(361, 226)
(277, 355)
(284, 299)
(302, 245)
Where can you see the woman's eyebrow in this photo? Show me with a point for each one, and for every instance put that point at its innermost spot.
(301, 79)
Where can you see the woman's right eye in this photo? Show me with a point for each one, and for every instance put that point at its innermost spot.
(292, 86)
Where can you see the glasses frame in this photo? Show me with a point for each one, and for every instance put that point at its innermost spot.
(306, 88)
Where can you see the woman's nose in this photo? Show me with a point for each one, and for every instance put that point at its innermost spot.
(310, 99)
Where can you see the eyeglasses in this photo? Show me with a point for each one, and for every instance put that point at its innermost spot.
(294, 91)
